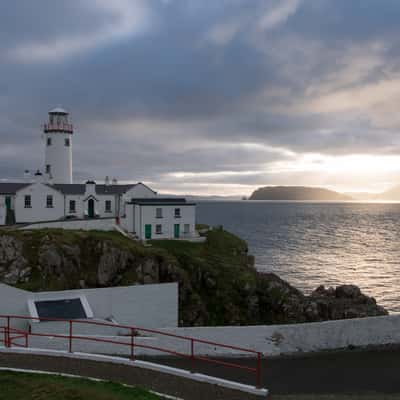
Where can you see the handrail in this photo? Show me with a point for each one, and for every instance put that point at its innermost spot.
(8, 336)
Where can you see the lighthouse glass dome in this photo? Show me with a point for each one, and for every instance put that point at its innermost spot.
(58, 121)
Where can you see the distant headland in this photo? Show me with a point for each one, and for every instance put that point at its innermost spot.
(297, 193)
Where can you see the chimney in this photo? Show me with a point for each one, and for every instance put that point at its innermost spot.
(114, 181)
(107, 181)
(90, 188)
(27, 175)
(39, 177)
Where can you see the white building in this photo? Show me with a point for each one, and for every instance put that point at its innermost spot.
(52, 196)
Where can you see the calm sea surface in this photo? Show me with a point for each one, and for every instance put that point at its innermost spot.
(309, 244)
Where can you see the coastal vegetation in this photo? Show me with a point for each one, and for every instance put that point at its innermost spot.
(21, 385)
(218, 284)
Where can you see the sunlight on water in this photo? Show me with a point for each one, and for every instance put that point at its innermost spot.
(310, 244)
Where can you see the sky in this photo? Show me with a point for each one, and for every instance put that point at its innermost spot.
(206, 96)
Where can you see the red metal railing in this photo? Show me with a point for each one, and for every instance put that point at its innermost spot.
(58, 127)
(9, 336)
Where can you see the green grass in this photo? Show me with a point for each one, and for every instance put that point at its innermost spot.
(22, 386)
(215, 277)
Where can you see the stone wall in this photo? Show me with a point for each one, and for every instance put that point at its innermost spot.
(100, 224)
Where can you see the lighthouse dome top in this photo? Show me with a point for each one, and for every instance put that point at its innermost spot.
(58, 110)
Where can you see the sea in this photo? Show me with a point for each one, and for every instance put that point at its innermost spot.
(319, 243)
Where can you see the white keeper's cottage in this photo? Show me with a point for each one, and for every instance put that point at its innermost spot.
(51, 199)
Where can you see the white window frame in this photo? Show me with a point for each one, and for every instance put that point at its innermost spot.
(26, 197)
(106, 209)
(159, 229)
(159, 212)
(51, 203)
(72, 211)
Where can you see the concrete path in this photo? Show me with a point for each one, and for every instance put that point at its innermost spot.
(352, 371)
(180, 384)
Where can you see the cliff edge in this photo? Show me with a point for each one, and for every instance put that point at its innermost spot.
(218, 284)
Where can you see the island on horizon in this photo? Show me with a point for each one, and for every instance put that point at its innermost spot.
(297, 193)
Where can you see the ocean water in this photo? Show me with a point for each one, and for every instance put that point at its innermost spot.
(309, 244)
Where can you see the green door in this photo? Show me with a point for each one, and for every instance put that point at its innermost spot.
(91, 208)
(147, 231)
(8, 203)
(177, 230)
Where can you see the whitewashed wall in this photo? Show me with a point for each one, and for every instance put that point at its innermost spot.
(59, 157)
(139, 191)
(269, 340)
(146, 214)
(100, 224)
(152, 306)
(3, 210)
(38, 211)
(128, 221)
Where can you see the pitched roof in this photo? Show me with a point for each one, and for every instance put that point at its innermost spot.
(11, 187)
(80, 188)
(171, 201)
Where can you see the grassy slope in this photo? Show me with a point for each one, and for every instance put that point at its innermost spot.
(214, 276)
(16, 385)
(219, 272)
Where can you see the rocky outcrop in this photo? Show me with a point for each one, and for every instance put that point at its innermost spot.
(346, 301)
(13, 265)
(218, 284)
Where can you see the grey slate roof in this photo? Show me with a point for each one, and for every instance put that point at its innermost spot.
(172, 201)
(79, 188)
(74, 188)
(11, 187)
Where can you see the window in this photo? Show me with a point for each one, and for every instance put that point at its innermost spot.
(72, 206)
(177, 212)
(67, 142)
(63, 308)
(186, 228)
(48, 168)
(159, 229)
(48, 141)
(49, 201)
(28, 201)
(108, 206)
(159, 213)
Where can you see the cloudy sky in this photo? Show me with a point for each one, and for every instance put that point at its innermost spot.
(207, 96)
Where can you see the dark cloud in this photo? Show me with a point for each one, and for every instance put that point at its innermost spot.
(208, 75)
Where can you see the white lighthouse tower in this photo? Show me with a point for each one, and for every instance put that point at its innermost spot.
(58, 141)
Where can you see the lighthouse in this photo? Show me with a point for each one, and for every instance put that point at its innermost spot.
(58, 141)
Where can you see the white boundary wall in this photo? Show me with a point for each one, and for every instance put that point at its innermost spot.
(270, 340)
(100, 224)
(153, 306)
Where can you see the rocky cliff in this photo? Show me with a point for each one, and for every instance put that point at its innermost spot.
(218, 284)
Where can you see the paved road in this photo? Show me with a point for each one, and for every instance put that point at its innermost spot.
(352, 371)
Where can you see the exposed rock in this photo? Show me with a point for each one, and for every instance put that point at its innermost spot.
(217, 285)
(112, 260)
(346, 301)
(13, 265)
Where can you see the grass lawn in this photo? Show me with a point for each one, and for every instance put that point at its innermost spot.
(21, 386)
